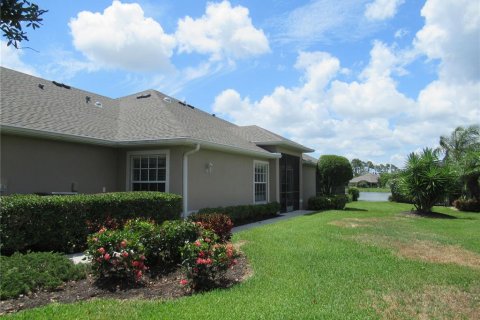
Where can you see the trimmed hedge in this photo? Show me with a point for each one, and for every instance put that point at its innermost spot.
(246, 213)
(336, 202)
(471, 205)
(62, 223)
(354, 193)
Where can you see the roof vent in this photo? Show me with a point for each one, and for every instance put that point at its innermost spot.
(88, 99)
(58, 84)
(167, 99)
(98, 104)
(190, 106)
(41, 86)
(144, 96)
(183, 103)
(213, 115)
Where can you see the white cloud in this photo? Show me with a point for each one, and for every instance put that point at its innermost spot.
(11, 58)
(382, 9)
(376, 94)
(122, 37)
(222, 32)
(400, 33)
(451, 33)
(323, 21)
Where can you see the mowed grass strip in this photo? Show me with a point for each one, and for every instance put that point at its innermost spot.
(317, 267)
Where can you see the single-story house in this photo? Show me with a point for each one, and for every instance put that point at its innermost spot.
(56, 138)
(367, 179)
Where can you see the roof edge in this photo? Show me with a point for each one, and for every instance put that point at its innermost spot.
(290, 144)
(125, 143)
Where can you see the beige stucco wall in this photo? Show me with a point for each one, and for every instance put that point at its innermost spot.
(229, 182)
(30, 165)
(309, 183)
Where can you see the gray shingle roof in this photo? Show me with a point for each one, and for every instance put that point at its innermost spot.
(370, 178)
(59, 110)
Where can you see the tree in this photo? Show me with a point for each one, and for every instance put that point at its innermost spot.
(462, 151)
(332, 172)
(357, 167)
(460, 141)
(14, 14)
(426, 180)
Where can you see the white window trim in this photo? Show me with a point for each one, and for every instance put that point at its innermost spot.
(268, 181)
(128, 186)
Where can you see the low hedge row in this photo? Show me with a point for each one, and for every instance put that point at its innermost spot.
(471, 205)
(62, 223)
(335, 202)
(25, 273)
(246, 213)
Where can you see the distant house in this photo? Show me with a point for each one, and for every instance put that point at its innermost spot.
(56, 138)
(368, 180)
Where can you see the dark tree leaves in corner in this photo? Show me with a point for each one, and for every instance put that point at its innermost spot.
(18, 14)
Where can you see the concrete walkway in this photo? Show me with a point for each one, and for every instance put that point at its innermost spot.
(81, 258)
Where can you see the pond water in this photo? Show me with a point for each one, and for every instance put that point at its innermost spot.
(374, 196)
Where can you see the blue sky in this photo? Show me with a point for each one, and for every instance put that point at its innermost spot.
(371, 79)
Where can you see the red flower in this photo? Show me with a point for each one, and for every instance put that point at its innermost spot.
(183, 282)
(142, 257)
(197, 243)
(101, 250)
(135, 263)
(201, 254)
(139, 274)
(208, 261)
(124, 254)
(200, 261)
(106, 257)
(123, 244)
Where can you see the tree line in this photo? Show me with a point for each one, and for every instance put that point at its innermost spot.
(361, 167)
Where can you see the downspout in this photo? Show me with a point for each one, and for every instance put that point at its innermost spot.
(185, 178)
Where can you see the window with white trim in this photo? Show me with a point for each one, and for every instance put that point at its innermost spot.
(260, 182)
(148, 172)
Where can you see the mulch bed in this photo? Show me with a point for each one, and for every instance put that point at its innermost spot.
(163, 287)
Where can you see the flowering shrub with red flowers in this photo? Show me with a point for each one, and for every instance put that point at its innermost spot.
(219, 223)
(117, 254)
(206, 260)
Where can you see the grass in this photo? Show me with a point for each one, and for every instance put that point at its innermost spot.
(330, 265)
(374, 189)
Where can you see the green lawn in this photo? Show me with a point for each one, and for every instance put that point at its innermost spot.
(361, 263)
(374, 189)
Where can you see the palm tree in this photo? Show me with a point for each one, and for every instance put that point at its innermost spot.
(460, 141)
(462, 152)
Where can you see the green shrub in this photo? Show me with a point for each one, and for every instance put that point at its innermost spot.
(25, 273)
(206, 260)
(332, 172)
(246, 213)
(117, 254)
(62, 223)
(164, 247)
(398, 195)
(354, 193)
(336, 202)
(219, 223)
(426, 180)
(471, 205)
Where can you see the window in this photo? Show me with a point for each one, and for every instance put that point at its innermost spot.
(260, 182)
(148, 172)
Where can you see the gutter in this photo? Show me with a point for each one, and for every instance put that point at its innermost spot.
(185, 178)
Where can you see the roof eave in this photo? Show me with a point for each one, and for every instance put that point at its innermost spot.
(126, 143)
(289, 144)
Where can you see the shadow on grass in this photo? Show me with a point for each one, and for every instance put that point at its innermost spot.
(432, 215)
(355, 209)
